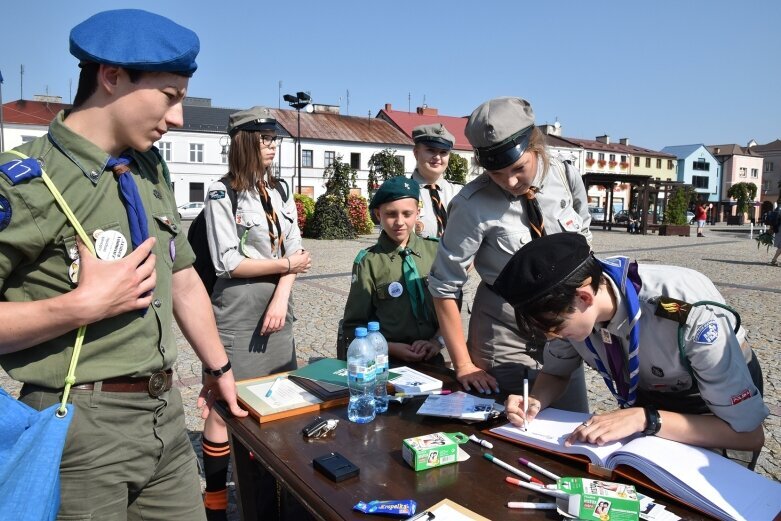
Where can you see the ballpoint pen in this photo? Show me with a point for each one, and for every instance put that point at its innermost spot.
(273, 385)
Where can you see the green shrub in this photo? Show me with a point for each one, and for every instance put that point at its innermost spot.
(305, 207)
(358, 213)
(330, 220)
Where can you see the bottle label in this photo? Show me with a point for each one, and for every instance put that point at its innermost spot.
(360, 373)
(382, 364)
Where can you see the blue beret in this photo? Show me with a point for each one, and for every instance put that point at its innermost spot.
(136, 39)
(395, 188)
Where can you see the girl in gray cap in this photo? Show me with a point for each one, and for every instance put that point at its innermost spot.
(522, 195)
(256, 254)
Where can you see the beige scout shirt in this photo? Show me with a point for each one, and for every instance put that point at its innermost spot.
(447, 191)
(487, 225)
(715, 355)
(37, 249)
(246, 236)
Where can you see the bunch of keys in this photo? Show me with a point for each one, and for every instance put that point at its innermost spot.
(319, 428)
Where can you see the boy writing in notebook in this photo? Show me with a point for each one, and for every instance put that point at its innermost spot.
(670, 350)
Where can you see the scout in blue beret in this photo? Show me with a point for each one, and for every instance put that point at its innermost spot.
(126, 287)
(389, 282)
(670, 350)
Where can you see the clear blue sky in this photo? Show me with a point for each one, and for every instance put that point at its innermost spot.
(666, 72)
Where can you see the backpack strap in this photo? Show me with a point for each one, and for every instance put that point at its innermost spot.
(282, 188)
(226, 180)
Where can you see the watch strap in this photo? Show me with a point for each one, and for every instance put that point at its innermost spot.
(218, 372)
(653, 421)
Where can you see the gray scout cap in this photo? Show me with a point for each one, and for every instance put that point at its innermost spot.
(499, 129)
(255, 119)
(435, 135)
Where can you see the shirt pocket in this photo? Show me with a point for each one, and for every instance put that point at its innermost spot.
(72, 251)
(289, 213)
(570, 220)
(166, 233)
(510, 241)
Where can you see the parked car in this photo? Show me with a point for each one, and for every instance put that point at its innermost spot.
(690, 217)
(623, 216)
(190, 210)
(597, 214)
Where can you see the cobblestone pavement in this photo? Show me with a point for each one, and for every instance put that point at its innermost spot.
(726, 255)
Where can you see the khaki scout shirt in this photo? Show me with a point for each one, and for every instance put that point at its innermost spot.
(36, 251)
(370, 298)
(488, 225)
(428, 216)
(711, 347)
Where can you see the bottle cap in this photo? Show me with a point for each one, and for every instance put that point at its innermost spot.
(374, 326)
(360, 332)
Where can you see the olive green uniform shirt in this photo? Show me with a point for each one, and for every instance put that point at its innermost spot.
(38, 245)
(371, 298)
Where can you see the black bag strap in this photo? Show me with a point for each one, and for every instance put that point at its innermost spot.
(226, 180)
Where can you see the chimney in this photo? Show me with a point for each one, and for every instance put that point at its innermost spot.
(716, 151)
(425, 110)
(624, 141)
(45, 98)
(388, 107)
(604, 139)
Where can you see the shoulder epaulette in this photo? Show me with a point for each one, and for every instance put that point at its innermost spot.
(20, 169)
(360, 256)
(435, 239)
(474, 186)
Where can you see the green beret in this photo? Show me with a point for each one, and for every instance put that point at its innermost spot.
(395, 188)
(435, 136)
(541, 265)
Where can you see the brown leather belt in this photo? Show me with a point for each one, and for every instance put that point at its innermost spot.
(155, 385)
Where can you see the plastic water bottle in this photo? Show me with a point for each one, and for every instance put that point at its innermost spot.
(381, 357)
(360, 378)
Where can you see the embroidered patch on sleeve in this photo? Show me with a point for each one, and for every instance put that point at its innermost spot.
(20, 170)
(5, 213)
(217, 194)
(673, 309)
(745, 394)
(708, 333)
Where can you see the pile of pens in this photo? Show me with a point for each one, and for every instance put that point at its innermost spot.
(530, 482)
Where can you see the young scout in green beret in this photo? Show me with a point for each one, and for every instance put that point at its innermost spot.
(432, 153)
(669, 349)
(389, 281)
(127, 454)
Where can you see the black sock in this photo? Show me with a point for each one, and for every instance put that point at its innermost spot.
(215, 468)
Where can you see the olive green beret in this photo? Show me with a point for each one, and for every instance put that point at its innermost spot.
(395, 188)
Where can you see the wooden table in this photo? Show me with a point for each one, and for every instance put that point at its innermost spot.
(375, 447)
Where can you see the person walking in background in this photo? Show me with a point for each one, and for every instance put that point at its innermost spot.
(432, 153)
(390, 278)
(257, 253)
(127, 453)
(523, 194)
(700, 215)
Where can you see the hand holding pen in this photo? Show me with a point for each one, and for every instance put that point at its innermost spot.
(519, 412)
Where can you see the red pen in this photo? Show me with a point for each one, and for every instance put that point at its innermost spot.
(510, 468)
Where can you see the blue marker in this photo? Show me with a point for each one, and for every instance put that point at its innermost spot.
(271, 389)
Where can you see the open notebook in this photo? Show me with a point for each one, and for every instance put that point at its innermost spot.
(701, 478)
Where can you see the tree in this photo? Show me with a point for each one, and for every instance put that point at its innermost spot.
(382, 166)
(677, 204)
(743, 193)
(330, 220)
(457, 169)
(340, 178)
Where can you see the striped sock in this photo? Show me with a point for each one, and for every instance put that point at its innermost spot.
(215, 469)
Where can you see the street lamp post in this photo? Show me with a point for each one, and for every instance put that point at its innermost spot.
(298, 101)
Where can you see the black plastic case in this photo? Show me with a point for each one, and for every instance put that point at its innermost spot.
(335, 466)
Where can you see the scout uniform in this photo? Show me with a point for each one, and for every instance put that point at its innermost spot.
(128, 428)
(239, 304)
(487, 225)
(379, 290)
(434, 197)
(706, 370)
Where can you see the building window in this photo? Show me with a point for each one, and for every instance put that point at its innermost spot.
(623, 159)
(768, 166)
(589, 155)
(743, 171)
(401, 159)
(701, 164)
(165, 149)
(658, 163)
(355, 160)
(669, 164)
(601, 156)
(612, 157)
(196, 192)
(637, 161)
(307, 158)
(330, 157)
(755, 173)
(765, 186)
(648, 162)
(700, 181)
(196, 154)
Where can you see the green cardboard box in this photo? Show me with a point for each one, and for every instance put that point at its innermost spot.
(432, 450)
(599, 500)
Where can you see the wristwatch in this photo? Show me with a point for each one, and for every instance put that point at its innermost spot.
(653, 421)
(218, 372)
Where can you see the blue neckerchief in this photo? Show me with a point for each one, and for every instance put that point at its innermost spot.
(134, 206)
(617, 269)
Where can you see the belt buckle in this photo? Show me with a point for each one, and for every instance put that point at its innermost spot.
(157, 383)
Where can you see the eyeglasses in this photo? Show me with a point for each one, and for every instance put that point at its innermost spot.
(268, 140)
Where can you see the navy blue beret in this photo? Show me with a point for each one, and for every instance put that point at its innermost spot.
(136, 39)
